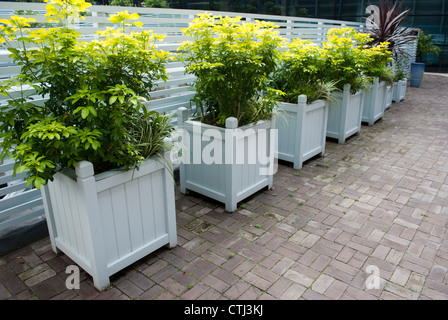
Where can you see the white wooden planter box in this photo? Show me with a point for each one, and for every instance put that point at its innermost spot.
(108, 221)
(302, 130)
(389, 94)
(399, 90)
(374, 102)
(344, 117)
(227, 178)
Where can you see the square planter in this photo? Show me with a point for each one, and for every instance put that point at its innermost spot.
(389, 95)
(221, 162)
(106, 222)
(302, 130)
(344, 117)
(399, 90)
(374, 102)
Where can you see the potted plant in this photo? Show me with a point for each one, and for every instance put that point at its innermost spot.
(388, 24)
(345, 65)
(302, 125)
(231, 60)
(424, 47)
(81, 141)
(377, 58)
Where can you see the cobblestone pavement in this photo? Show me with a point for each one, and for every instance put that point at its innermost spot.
(376, 205)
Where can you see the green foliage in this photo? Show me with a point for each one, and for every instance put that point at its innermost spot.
(302, 72)
(351, 60)
(123, 3)
(345, 60)
(156, 3)
(424, 45)
(232, 61)
(376, 62)
(148, 132)
(95, 92)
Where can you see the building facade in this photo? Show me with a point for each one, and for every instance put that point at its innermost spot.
(431, 16)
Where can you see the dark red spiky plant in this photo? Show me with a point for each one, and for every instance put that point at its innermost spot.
(389, 25)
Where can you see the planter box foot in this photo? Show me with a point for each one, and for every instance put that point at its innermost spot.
(298, 165)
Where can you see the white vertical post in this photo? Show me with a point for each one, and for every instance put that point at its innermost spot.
(273, 162)
(231, 203)
(289, 28)
(182, 115)
(49, 216)
(320, 33)
(301, 101)
(89, 211)
(343, 120)
(169, 195)
(324, 128)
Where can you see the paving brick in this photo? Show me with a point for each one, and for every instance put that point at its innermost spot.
(293, 292)
(195, 292)
(4, 293)
(40, 277)
(322, 283)
(394, 256)
(400, 276)
(401, 292)
(313, 295)
(336, 290)
(236, 290)
(172, 286)
(416, 282)
(257, 281)
(141, 281)
(299, 278)
(279, 287)
(320, 263)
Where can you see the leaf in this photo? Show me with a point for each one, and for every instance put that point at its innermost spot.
(93, 111)
(112, 99)
(85, 113)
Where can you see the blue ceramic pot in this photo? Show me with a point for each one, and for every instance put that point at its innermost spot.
(417, 69)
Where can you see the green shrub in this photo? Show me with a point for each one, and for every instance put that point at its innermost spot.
(232, 61)
(424, 45)
(351, 60)
(95, 91)
(302, 71)
(123, 3)
(345, 60)
(156, 3)
(377, 62)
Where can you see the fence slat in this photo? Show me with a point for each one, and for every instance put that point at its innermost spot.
(21, 208)
(22, 218)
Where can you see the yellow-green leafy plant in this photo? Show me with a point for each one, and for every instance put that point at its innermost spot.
(346, 59)
(377, 62)
(95, 91)
(302, 71)
(232, 61)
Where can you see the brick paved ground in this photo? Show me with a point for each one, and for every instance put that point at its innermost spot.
(379, 200)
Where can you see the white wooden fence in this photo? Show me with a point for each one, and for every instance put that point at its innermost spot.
(18, 204)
